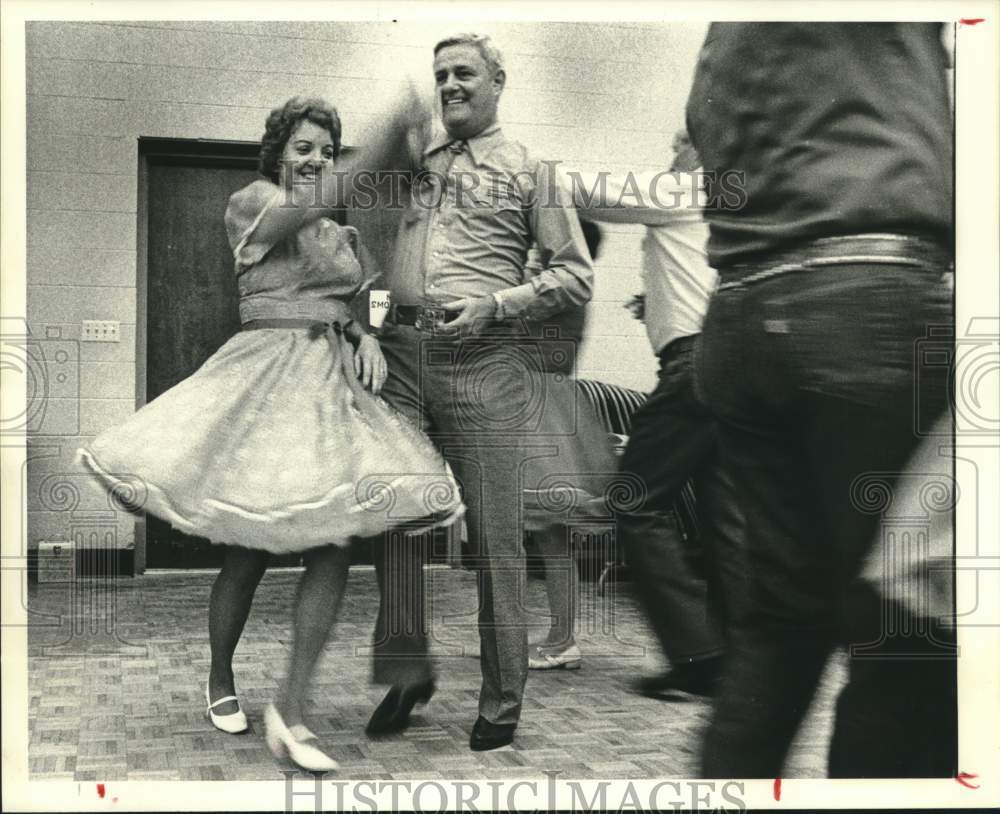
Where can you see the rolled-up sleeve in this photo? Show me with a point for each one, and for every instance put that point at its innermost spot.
(566, 279)
(652, 199)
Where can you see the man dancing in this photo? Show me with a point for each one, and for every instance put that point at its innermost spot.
(460, 292)
(690, 594)
(833, 269)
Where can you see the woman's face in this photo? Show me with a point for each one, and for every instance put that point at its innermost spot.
(309, 148)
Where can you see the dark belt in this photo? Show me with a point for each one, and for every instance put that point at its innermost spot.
(316, 327)
(335, 335)
(677, 347)
(917, 253)
(421, 317)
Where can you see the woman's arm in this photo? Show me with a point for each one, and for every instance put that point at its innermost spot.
(382, 146)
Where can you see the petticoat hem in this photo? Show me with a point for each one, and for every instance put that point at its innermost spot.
(123, 490)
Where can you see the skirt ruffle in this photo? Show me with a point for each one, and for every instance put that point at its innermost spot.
(581, 481)
(267, 446)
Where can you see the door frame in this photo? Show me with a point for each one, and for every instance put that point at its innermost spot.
(168, 151)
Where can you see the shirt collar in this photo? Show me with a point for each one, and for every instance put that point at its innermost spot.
(479, 145)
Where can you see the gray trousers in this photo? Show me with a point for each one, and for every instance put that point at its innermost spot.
(482, 402)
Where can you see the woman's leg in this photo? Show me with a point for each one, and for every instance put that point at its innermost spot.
(317, 602)
(560, 586)
(228, 608)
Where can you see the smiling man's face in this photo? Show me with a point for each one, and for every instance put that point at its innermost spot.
(469, 92)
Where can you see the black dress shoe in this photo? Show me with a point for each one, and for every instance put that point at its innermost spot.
(695, 677)
(393, 714)
(486, 735)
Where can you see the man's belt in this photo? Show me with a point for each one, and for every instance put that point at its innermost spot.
(421, 317)
(677, 347)
(917, 253)
(544, 348)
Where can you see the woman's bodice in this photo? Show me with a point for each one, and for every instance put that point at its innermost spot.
(312, 274)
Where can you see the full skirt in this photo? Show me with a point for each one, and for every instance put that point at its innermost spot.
(269, 445)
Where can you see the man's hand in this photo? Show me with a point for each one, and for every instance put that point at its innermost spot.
(369, 363)
(472, 313)
(414, 110)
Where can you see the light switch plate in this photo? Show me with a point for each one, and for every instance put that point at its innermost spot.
(95, 330)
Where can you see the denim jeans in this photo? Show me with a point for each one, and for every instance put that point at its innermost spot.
(814, 377)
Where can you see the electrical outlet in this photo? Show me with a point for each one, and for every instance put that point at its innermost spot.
(95, 330)
(56, 561)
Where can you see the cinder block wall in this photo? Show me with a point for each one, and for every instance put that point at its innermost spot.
(596, 95)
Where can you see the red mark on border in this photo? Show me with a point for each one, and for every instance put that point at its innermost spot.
(100, 790)
(971, 20)
(963, 777)
(777, 788)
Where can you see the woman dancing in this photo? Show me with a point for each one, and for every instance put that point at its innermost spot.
(274, 445)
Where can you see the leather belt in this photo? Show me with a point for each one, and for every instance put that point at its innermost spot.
(677, 347)
(421, 317)
(918, 253)
(316, 326)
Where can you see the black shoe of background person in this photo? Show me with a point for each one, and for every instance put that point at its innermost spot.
(694, 677)
(393, 714)
(486, 735)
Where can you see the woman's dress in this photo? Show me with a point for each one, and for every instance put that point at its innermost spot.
(273, 443)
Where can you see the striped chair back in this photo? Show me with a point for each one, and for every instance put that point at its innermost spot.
(615, 405)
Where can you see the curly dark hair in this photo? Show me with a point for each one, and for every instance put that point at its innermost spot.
(283, 120)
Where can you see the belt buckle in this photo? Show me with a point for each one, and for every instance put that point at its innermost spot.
(427, 319)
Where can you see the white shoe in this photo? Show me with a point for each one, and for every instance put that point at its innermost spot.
(234, 723)
(290, 742)
(569, 659)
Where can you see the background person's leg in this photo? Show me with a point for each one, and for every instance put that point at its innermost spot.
(903, 680)
(670, 439)
(897, 716)
(561, 587)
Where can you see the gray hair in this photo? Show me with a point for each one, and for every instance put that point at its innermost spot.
(481, 42)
